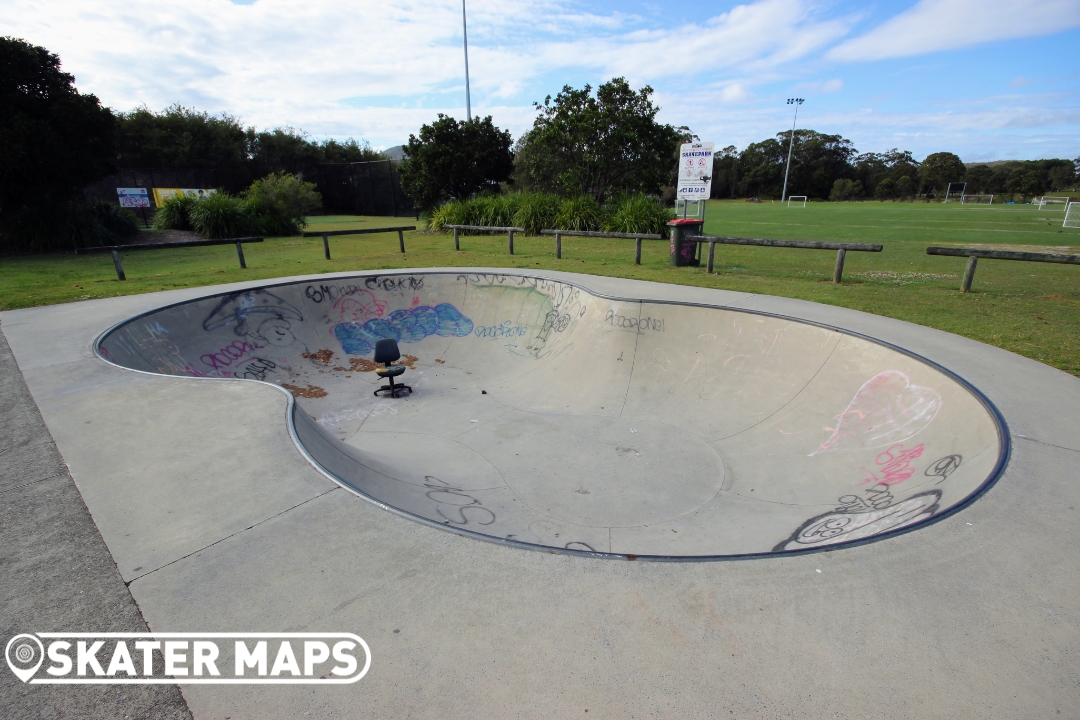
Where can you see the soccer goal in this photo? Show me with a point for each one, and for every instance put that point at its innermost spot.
(1072, 215)
(799, 200)
(1062, 201)
(976, 199)
(951, 194)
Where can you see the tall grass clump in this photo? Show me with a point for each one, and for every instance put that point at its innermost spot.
(175, 213)
(636, 214)
(536, 212)
(579, 213)
(220, 216)
(449, 213)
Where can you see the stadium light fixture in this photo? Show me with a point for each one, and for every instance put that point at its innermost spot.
(791, 143)
(465, 35)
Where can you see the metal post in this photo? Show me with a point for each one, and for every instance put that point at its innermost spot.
(969, 273)
(712, 247)
(465, 35)
(401, 240)
(637, 253)
(240, 254)
(558, 246)
(838, 271)
(119, 267)
(326, 246)
(511, 233)
(457, 240)
(791, 144)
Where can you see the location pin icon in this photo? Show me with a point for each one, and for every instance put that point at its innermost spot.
(24, 656)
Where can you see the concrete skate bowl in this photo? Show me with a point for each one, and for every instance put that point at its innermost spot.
(550, 417)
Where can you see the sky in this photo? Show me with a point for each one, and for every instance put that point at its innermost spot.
(985, 79)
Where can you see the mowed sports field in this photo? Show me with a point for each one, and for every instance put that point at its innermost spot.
(1029, 308)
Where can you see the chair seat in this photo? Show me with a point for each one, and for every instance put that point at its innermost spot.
(392, 371)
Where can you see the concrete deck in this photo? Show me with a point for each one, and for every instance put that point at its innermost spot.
(219, 523)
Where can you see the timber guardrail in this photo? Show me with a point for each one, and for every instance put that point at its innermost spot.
(594, 233)
(484, 228)
(973, 259)
(117, 249)
(840, 248)
(327, 234)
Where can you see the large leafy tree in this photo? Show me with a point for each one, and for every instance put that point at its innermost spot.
(53, 140)
(817, 162)
(452, 159)
(940, 169)
(596, 144)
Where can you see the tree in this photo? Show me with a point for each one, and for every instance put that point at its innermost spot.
(53, 140)
(885, 190)
(181, 137)
(817, 162)
(452, 159)
(598, 144)
(940, 169)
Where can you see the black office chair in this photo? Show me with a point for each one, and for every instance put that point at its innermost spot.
(386, 352)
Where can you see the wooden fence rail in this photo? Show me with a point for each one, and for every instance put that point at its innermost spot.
(840, 248)
(974, 255)
(484, 228)
(117, 249)
(593, 233)
(327, 234)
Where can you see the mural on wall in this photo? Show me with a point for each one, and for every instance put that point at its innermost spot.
(404, 326)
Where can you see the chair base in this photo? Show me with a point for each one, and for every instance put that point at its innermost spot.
(393, 389)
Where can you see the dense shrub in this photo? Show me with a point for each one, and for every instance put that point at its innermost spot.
(67, 226)
(844, 189)
(539, 211)
(278, 205)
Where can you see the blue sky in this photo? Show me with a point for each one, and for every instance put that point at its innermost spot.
(987, 80)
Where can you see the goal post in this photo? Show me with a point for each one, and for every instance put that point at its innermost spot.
(1072, 215)
(800, 200)
(950, 192)
(1064, 202)
(976, 199)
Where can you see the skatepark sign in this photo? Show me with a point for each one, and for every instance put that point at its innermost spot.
(188, 658)
(695, 171)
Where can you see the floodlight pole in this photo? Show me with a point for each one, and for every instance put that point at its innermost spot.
(465, 34)
(791, 144)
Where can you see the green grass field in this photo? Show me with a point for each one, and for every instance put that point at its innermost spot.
(1029, 308)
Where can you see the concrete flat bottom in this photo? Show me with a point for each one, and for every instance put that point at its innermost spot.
(219, 522)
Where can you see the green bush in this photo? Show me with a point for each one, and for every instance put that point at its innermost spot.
(844, 189)
(450, 213)
(174, 213)
(536, 212)
(220, 216)
(636, 214)
(67, 226)
(278, 204)
(579, 213)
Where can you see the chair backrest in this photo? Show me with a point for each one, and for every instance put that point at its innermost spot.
(386, 351)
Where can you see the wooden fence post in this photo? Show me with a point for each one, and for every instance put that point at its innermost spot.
(401, 240)
(838, 271)
(637, 252)
(457, 241)
(712, 247)
(558, 246)
(969, 273)
(326, 246)
(118, 265)
(511, 233)
(240, 254)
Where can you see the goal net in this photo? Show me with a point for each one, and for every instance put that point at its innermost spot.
(976, 199)
(957, 194)
(1062, 201)
(799, 200)
(1072, 215)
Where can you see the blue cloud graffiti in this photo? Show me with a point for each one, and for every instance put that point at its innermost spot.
(408, 326)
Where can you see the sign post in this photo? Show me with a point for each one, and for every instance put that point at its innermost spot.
(694, 185)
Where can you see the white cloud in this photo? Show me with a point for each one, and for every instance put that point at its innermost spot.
(935, 25)
(834, 85)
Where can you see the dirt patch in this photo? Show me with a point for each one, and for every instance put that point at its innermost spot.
(311, 391)
(409, 361)
(362, 365)
(323, 356)
(441, 362)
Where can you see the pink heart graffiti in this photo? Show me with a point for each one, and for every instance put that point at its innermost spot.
(887, 409)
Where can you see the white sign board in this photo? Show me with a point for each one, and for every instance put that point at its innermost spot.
(695, 171)
(133, 197)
